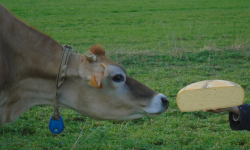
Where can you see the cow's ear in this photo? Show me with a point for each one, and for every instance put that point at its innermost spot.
(98, 76)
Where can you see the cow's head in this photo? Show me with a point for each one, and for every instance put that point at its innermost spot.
(104, 91)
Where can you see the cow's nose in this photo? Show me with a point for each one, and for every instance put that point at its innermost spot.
(165, 102)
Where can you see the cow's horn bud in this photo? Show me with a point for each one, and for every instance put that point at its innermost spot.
(90, 56)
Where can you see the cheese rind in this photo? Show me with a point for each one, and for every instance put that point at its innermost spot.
(209, 94)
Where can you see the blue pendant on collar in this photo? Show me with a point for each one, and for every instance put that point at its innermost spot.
(56, 126)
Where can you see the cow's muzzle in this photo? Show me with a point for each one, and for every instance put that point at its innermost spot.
(165, 101)
(158, 105)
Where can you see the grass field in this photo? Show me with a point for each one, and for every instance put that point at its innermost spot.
(165, 45)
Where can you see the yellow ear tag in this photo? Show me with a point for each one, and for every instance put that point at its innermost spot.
(94, 83)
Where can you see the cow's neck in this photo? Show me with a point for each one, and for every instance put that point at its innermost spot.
(31, 53)
(33, 61)
(32, 91)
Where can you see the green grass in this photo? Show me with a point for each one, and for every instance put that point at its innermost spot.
(165, 45)
(150, 25)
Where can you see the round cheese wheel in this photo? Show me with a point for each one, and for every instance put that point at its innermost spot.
(209, 94)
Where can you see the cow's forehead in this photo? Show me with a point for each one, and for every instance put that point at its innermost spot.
(107, 61)
(100, 52)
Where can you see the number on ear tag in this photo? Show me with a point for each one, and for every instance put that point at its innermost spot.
(56, 126)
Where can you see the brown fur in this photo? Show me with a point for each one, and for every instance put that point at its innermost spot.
(97, 50)
(24, 53)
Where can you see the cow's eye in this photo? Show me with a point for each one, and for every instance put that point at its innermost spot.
(118, 78)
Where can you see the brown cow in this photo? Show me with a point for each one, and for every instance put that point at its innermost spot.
(29, 62)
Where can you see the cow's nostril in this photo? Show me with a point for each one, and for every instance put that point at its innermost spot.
(165, 102)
